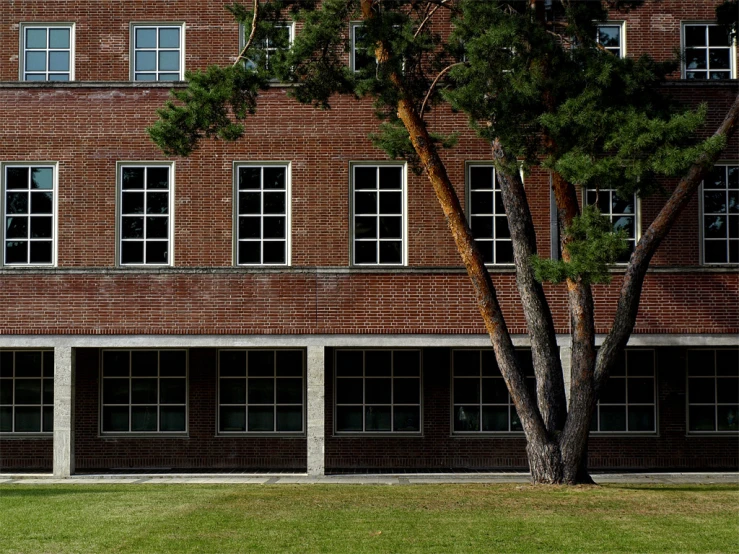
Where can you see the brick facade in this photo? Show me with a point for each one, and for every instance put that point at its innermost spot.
(89, 126)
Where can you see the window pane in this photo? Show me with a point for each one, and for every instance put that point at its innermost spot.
(728, 418)
(406, 391)
(466, 418)
(466, 391)
(701, 362)
(172, 419)
(40, 252)
(35, 61)
(40, 227)
(349, 391)
(289, 362)
(701, 390)
(232, 363)
(6, 391)
(504, 252)
(116, 363)
(613, 418)
(641, 418)
(172, 363)
(289, 391)
(261, 419)
(377, 418)
(250, 203)
(719, 59)
(727, 362)
(695, 35)
(156, 253)
(495, 418)
(406, 418)
(727, 390)
(144, 391)
(233, 391)
(115, 418)
(365, 252)
(274, 252)
(641, 362)
(261, 391)
(481, 202)
(233, 419)
(16, 252)
(17, 203)
(406, 363)
(377, 391)
(274, 177)
(16, 178)
(169, 38)
(250, 227)
(6, 419)
(115, 391)
(42, 178)
(58, 61)
(481, 177)
(390, 252)
(169, 60)
(48, 394)
(274, 202)
(146, 60)
(289, 418)
(377, 362)
(391, 178)
(250, 252)
(28, 364)
(144, 363)
(261, 363)
(365, 203)
(143, 418)
(48, 357)
(717, 36)
(28, 391)
(48, 416)
(35, 38)
(274, 227)
(349, 418)
(6, 364)
(466, 362)
(132, 203)
(695, 58)
(157, 202)
(28, 420)
(641, 391)
(390, 227)
(146, 38)
(250, 178)
(172, 391)
(132, 178)
(349, 362)
(156, 227)
(58, 38)
(494, 391)
(702, 418)
(365, 178)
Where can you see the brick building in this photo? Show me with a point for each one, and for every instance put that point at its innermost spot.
(237, 308)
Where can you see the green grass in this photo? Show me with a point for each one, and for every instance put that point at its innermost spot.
(357, 518)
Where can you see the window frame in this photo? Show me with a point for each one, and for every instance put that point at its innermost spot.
(404, 215)
(655, 396)
(353, 25)
(41, 405)
(387, 433)
(510, 405)
(287, 165)
(119, 212)
(274, 432)
(468, 166)
(715, 404)
(614, 23)
(683, 48)
(131, 433)
(54, 166)
(22, 49)
(637, 215)
(132, 49)
(701, 221)
(242, 41)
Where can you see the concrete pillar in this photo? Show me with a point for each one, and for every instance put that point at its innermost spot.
(63, 411)
(316, 420)
(565, 356)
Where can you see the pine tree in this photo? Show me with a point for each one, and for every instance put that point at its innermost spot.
(539, 88)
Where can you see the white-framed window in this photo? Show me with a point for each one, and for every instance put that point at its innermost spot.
(628, 402)
(26, 391)
(713, 390)
(143, 391)
(480, 399)
(612, 36)
(488, 219)
(157, 51)
(720, 215)
(281, 38)
(262, 226)
(359, 59)
(709, 52)
(621, 212)
(261, 391)
(378, 213)
(29, 206)
(377, 391)
(47, 52)
(145, 213)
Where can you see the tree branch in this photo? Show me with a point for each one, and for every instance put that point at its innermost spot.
(251, 35)
(628, 302)
(433, 84)
(426, 19)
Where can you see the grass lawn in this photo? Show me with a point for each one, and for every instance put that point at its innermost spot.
(371, 518)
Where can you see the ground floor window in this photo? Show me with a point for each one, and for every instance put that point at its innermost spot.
(378, 391)
(26, 391)
(627, 403)
(713, 390)
(144, 391)
(261, 391)
(481, 400)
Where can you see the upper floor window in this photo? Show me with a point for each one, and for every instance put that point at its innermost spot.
(360, 59)
(481, 400)
(145, 214)
(158, 52)
(47, 52)
(713, 390)
(620, 211)
(28, 202)
(144, 391)
(260, 391)
(611, 37)
(378, 221)
(378, 391)
(720, 218)
(709, 53)
(628, 401)
(280, 38)
(488, 219)
(262, 226)
(26, 391)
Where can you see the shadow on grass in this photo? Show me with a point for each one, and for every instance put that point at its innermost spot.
(713, 487)
(35, 491)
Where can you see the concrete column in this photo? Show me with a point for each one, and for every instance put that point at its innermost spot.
(63, 411)
(565, 356)
(316, 420)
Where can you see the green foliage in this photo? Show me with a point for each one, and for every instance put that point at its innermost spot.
(205, 108)
(593, 246)
(393, 139)
(727, 14)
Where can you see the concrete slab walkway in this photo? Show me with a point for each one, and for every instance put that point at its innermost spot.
(363, 479)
